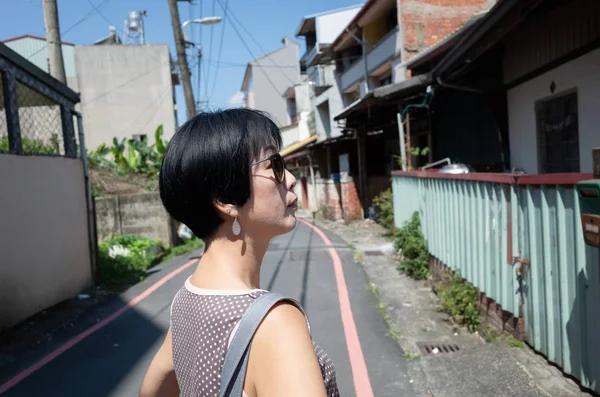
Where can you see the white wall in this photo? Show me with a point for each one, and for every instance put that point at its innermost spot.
(125, 90)
(582, 74)
(336, 105)
(330, 26)
(302, 98)
(45, 249)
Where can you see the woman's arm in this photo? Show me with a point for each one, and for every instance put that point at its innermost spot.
(282, 359)
(160, 378)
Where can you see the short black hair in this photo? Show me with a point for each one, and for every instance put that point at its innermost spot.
(208, 160)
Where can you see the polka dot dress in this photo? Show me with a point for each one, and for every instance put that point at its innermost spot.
(202, 322)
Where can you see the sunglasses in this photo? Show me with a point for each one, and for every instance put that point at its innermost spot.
(277, 164)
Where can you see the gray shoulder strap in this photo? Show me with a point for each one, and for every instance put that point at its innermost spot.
(236, 358)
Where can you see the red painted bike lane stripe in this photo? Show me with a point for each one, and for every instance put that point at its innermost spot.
(75, 340)
(360, 375)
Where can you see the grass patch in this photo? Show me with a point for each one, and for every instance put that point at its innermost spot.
(512, 342)
(358, 257)
(183, 249)
(411, 356)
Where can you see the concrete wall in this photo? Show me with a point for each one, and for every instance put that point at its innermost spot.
(581, 74)
(334, 97)
(43, 234)
(125, 90)
(141, 214)
(271, 76)
(330, 26)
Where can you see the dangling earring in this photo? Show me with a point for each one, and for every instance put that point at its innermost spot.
(236, 228)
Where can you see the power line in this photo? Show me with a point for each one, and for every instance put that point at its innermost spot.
(212, 31)
(88, 15)
(258, 45)
(212, 90)
(250, 51)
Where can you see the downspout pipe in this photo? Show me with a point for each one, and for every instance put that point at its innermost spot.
(314, 182)
(92, 236)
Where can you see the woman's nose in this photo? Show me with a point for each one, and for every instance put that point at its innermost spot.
(290, 180)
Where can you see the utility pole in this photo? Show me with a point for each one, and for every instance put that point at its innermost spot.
(57, 66)
(181, 57)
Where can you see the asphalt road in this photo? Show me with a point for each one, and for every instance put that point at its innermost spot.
(112, 360)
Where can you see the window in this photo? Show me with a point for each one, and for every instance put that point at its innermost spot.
(558, 134)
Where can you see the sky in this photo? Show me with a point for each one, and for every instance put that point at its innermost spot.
(268, 21)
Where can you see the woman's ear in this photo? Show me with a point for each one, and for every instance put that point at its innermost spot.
(226, 210)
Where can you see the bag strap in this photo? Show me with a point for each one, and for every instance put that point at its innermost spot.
(236, 358)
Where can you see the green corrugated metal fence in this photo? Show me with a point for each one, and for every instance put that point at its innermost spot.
(478, 227)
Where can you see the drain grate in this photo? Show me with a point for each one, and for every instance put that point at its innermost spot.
(437, 348)
(373, 253)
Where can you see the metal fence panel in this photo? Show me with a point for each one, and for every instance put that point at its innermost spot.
(477, 228)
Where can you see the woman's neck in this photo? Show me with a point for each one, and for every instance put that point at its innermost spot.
(230, 264)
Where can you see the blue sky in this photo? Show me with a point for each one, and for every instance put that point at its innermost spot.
(268, 21)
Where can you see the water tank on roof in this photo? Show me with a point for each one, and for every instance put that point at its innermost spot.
(135, 21)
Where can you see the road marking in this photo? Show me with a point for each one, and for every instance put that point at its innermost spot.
(75, 340)
(362, 384)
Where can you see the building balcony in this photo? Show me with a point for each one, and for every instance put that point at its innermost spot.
(377, 56)
(310, 56)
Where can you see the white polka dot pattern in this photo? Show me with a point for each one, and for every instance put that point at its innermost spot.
(201, 326)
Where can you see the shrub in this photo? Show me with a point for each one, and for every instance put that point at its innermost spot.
(415, 257)
(459, 299)
(385, 206)
(123, 260)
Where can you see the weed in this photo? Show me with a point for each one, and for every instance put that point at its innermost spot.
(411, 356)
(382, 308)
(459, 299)
(358, 257)
(384, 204)
(415, 257)
(512, 342)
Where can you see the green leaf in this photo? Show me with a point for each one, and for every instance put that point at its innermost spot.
(160, 145)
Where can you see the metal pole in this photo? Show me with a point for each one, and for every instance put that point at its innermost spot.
(199, 76)
(182, 59)
(364, 51)
(402, 143)
(314, 182)
(92, 235)
(57, 67)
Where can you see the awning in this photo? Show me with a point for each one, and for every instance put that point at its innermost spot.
(406, 87)
(298, 145)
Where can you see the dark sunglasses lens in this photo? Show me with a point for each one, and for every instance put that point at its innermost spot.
(278, 167)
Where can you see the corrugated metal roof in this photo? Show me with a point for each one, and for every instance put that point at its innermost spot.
(35, 50)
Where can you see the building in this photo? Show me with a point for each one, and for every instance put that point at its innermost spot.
(359, 76)
(324, 98)
(516, 90)
(319, 31)
(127, 91)
(267, 80)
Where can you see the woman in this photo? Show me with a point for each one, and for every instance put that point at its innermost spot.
(222, 176)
